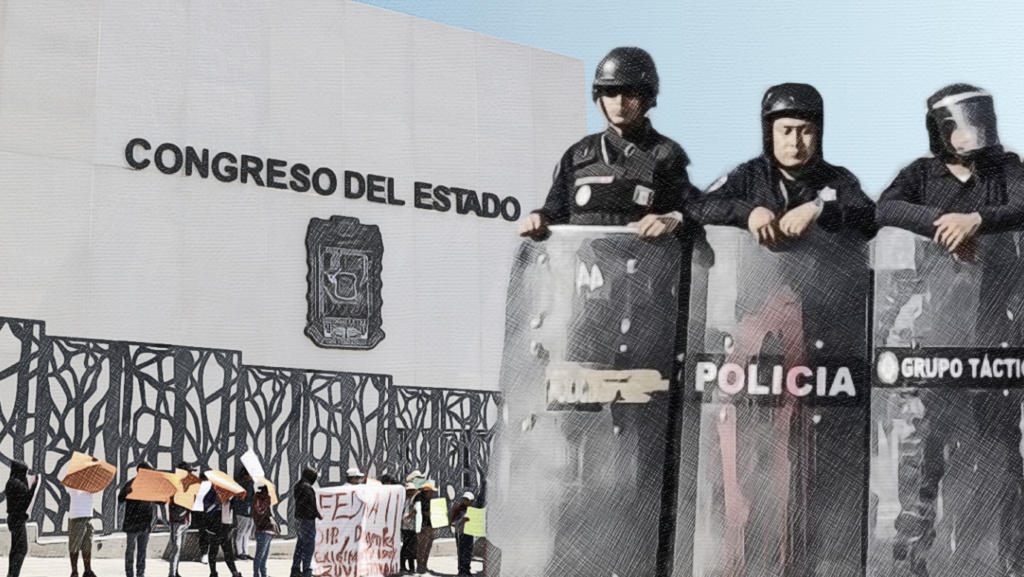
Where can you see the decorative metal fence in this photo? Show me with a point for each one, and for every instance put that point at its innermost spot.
(125, 402)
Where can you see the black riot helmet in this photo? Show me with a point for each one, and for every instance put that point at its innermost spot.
(627, 68)
(967, 111)
(791, 100)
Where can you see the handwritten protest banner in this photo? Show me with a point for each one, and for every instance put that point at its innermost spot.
(359, 535)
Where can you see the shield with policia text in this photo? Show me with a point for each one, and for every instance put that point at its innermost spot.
(576, 477)
(776, 368)
(946, 467)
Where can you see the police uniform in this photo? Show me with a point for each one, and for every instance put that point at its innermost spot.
(819, 283)
(920, 194)
(759, 182)
(612, 180)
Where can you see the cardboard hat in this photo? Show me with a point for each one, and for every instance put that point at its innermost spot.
(225, 486)
(89, 474)
(468, 495)
(428, 486)
(155, 486)
(263, 481)
(354, 472)
(189, 489)
(410, 487)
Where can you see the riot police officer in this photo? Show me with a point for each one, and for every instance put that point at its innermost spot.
(800, 301)
(968, 198)
(781, 193)
(627, 173)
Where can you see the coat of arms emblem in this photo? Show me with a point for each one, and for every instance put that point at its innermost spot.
(344, 283)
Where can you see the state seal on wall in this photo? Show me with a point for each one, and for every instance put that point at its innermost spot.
(344, 283)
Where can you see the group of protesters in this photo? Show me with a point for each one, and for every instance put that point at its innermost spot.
(249, 513)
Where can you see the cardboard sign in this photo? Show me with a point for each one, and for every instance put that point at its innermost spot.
(419, 516)
(439, 512)
(477, 521)
(32, 479)
(204, 488)
(360, 534)
(252, 464)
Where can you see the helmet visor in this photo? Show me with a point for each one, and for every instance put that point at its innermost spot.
(966, 122)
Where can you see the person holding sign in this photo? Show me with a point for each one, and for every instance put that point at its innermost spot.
(179, 518)
(354, 477)
(80, 530)
(425, 540)
(19, 496)
(306, 515)
(218, 524)
(463, 542)
(263, 522)
(137, 523)
(242, 509)
(408, 553)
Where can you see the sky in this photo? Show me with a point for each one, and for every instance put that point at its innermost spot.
(874, 61)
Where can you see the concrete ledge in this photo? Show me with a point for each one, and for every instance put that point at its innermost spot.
(113, 546)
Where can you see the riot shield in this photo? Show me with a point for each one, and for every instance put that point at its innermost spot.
(576, 477)
(777, 364)
(946, 465)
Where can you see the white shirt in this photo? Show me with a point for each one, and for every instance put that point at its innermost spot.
(81, 504)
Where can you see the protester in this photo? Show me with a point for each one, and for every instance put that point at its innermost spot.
(463, 542)
(80, 531)
(242, 509)
(138, 521)
(263, 521)
(408, 553)
(354, 477)
(218, 525)
(425, 540)
(199, 523)
(306, 515)
(19, 495)
(179, 518)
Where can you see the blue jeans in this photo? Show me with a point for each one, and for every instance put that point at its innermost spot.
(304, 548)
(259, 565)
(138, 540)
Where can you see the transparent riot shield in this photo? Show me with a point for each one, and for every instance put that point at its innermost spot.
(777, 363)
(575, 484)
(946, 467)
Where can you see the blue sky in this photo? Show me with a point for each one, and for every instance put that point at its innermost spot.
(875, 62)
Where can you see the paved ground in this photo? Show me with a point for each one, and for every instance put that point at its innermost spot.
(49, 567)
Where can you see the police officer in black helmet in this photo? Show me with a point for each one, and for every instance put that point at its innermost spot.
(628, 173)
(968, 198)
(790, 187)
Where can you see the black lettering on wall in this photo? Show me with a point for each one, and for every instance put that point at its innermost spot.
(492, 205)
(350, 177)
(252, 166)
(441, 201)
(129, 153)
(421, 196)
(391, 194)
(374, 184)
(230, 172)
(192, 160)
(513, 216)
(158, 158)
(273, 173)
(300, 178)
(332, 181)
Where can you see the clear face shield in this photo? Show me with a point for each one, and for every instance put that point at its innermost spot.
(965, 122)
